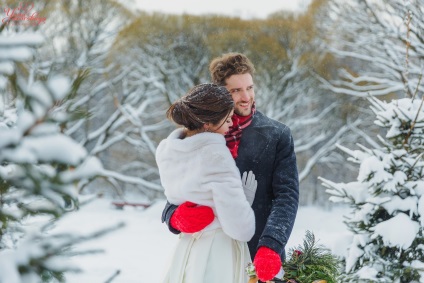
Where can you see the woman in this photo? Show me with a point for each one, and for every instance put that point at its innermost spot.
(195, 165)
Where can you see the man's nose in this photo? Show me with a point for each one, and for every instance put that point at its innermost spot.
(244, 95)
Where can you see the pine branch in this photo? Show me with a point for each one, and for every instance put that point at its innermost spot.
(311, 262)
(114, 275)
(413, 123)
(417, 88)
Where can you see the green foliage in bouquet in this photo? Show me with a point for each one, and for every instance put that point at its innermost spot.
(311, 262)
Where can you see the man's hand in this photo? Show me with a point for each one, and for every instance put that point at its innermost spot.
(190, 218)
(267, 264)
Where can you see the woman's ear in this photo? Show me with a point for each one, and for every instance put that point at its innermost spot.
(206, 127)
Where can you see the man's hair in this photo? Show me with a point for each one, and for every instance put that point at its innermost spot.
(223, 67)
(204, 103)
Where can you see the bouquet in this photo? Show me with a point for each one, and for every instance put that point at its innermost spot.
(310, 263)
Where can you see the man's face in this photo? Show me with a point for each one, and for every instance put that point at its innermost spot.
(241, 89)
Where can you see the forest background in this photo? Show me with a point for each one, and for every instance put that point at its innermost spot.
(84, 86)
(314, 72)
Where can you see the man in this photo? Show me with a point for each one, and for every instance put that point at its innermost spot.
(261, 145)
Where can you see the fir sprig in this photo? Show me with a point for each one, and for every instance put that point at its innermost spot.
(311, 262)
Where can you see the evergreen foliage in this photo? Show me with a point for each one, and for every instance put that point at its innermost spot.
(39, 167)
(311, 262)
(387, 198)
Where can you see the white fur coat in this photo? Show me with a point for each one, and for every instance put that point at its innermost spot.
(201, 169)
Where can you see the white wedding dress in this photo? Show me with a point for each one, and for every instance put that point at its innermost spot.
(207, 257)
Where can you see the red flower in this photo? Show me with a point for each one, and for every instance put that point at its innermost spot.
(297, 253)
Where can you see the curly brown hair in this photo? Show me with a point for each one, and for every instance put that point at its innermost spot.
(204, 103)
(223, 67)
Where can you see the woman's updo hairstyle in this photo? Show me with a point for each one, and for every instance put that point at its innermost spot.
(204, 103)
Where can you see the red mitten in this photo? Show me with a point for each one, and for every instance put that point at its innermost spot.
(191, 218)
(267, 264)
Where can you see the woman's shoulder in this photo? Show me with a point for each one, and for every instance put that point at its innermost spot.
(177, 141)
(215, 146)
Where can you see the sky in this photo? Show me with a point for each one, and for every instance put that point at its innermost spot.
(239, 8)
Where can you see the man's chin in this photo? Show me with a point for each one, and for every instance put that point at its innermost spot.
(243, 112)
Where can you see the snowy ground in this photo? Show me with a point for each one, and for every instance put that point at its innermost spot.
(141, 249)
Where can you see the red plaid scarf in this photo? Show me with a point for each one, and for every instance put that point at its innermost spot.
(233, 136)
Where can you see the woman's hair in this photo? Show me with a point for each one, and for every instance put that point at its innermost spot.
(221, 68)
(204, 103)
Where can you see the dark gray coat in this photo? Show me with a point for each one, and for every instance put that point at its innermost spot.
(267, 149)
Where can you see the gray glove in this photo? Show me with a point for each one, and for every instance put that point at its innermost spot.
(249, 186)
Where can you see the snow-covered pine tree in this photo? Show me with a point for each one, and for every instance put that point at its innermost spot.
(39, 166)
(387, 199)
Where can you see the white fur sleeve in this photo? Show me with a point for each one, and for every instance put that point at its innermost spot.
(233, 210)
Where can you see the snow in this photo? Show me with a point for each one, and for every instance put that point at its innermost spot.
(374, 167)
(368, 273)
(354, 190)
(363, 213)
(404, 234)
(385, 174)
(25, 120)
(9, 136)
(399, 178)
(18, 53)
(398, 111)
(421, 210)
(21, 39)
(142, 248)
(90, 167)
(58, 147)
(397, 203)
(45, 129)
(39, 94)
(417, 264)
(8, 269)
(355, 252)
(3, 82)
(357, 155)
(60, 86)
(6, 68)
